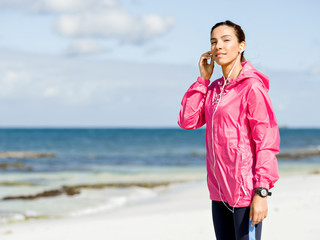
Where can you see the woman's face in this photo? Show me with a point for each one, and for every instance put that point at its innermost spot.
(225, 46)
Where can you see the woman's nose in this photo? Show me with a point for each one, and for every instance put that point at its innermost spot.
(218, 45)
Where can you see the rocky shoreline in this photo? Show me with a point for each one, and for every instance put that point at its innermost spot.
(76, 189)
(21, 155)
(300, 154)
(16, 154)
(15, 165)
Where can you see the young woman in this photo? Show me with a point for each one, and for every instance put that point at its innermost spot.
(242, 135)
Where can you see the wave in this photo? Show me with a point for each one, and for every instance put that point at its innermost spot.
(90, 201)
(113, 203)
(15, 217)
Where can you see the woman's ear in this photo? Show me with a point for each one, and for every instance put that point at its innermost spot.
(242, 47)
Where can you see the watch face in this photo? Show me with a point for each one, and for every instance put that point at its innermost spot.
(264, 192)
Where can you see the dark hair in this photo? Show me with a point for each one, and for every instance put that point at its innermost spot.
(238, 31)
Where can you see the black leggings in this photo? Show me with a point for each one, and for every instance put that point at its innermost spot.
(234, 226)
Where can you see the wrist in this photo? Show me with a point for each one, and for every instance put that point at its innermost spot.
(256, 195)
(206, 77)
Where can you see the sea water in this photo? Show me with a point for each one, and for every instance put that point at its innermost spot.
(94, 156)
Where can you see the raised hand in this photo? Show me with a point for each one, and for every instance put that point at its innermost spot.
(206, 69)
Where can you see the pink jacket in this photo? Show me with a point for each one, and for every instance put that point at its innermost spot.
(242, 136)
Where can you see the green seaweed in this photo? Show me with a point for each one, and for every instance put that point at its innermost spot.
(76, 189)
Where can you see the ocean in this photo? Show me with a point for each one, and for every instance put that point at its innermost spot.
(90, 159)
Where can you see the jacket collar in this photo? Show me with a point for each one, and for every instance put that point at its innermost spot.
(247, 71)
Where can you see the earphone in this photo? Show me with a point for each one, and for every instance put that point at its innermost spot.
(217, 101)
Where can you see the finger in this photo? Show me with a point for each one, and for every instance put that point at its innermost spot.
(263, 216)
(212, 62)
(207, 54)
(255, 219)
(253, 223)
(205, 57)
(258, 220)
(204, 60)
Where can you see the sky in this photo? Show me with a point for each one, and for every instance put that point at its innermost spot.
(127, 63)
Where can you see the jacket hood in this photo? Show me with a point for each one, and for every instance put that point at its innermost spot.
(248, 71)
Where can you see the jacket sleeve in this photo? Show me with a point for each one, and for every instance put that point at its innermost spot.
(266, 137)
(192, 112)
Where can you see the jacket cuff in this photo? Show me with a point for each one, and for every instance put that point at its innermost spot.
(203, 81)
(262, 185)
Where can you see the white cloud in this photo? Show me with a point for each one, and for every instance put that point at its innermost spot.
(84, 46)
(98, 18)
(115, 23)
(58, 6)
(74, 5)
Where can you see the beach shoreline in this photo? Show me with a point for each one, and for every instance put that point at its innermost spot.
(183, 212)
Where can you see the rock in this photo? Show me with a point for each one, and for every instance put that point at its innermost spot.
(26, 155)
(16, 165)
(71, 190)
(29, 197)
(317, 171)
(300, 154)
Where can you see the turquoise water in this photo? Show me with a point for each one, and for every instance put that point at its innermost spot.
(97, 149)
(86, 156)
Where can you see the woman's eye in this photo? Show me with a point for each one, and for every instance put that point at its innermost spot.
(227, 40)
(213, 43)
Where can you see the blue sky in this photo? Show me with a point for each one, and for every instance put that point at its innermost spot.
(113, 63)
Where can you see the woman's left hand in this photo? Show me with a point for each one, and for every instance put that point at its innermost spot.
(258, 209)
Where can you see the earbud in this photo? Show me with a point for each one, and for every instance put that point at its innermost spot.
(241, 49)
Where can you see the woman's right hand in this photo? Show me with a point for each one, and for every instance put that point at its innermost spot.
(206, 69)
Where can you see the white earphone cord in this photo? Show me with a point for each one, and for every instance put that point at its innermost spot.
(214, 158)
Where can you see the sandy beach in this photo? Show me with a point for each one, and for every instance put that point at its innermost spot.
(183, 212)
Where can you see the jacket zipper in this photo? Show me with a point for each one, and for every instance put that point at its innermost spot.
(245, 193)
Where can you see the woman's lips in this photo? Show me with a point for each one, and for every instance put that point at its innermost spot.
(220, 54)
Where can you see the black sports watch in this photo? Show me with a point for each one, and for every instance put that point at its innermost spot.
(263, 192)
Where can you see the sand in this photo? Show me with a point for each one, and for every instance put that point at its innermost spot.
(185, 214)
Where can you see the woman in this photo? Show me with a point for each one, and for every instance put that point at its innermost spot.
(242, 134)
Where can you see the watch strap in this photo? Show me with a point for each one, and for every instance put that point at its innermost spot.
(258, 191)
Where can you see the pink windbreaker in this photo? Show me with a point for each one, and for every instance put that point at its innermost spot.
(242, 136)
